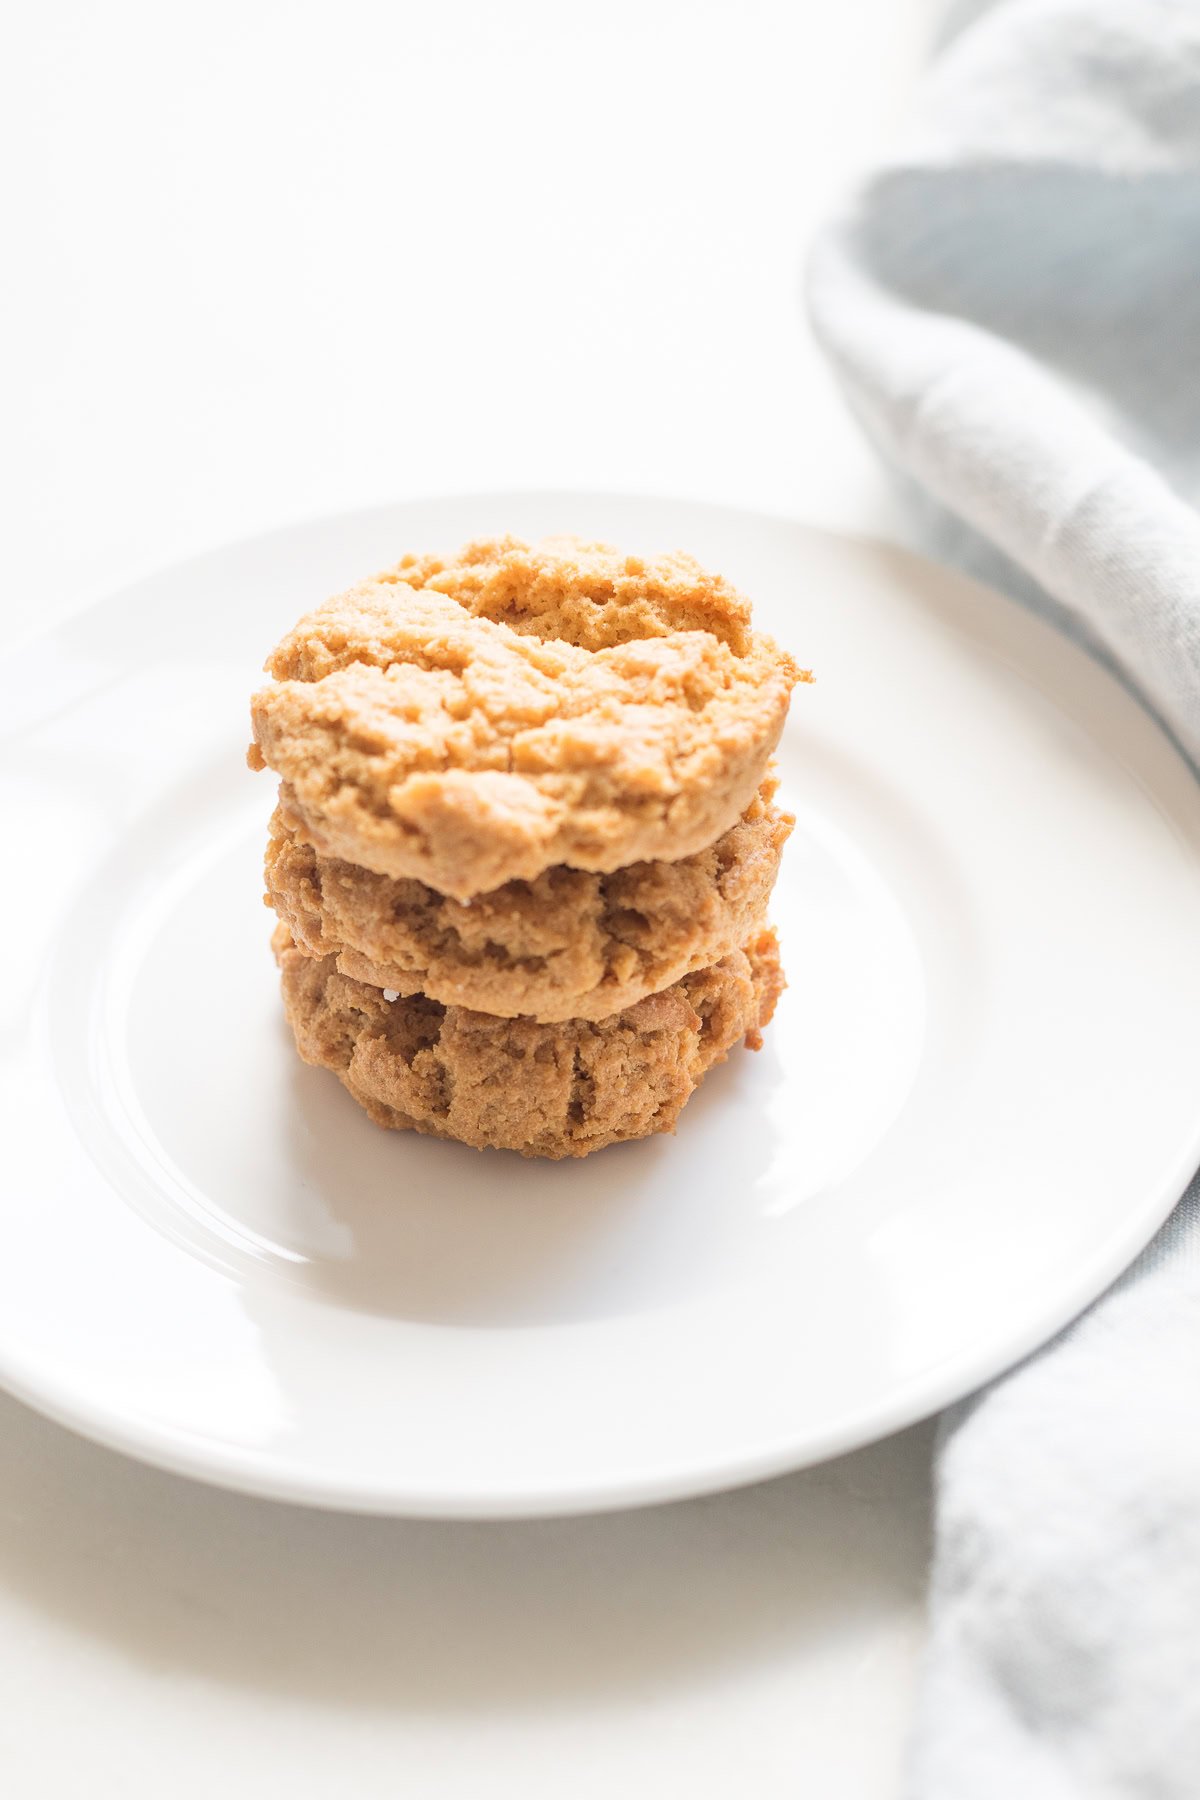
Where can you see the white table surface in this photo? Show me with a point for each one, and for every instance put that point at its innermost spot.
(272, 259)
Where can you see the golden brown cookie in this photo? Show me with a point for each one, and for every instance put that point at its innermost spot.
(474, 724)
(512, 1084)
(568, 945)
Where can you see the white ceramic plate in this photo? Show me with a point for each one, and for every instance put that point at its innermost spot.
(977, 1101)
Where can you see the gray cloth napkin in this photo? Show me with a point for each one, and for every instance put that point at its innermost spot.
(1012, 303)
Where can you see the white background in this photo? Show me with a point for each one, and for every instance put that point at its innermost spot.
(272, 259)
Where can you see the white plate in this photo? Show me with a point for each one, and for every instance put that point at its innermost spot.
(977, 1101)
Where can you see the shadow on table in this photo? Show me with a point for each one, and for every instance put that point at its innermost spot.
(357, 1611)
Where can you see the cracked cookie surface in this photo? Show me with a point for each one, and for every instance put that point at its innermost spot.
(471, 723)
(513, 1084)
(567, 945)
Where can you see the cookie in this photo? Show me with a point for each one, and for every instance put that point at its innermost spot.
(513, 1084)
(478, 723)
(567, 945)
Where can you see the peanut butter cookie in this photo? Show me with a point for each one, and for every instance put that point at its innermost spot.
(471, 724)
(567, 945)
(512, 1084)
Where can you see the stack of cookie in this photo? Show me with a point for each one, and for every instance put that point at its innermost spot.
(525, 840)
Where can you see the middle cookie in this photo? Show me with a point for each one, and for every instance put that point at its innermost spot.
(569, 945)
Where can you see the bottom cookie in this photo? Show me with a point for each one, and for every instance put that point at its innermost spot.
(513, 1084)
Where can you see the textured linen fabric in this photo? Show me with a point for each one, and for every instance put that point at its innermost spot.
(1064, 1652)
(1013, 307)
(1012, 304)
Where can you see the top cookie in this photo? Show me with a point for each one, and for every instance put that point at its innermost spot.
(474, 723)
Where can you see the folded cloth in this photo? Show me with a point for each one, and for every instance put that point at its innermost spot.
(1012, 303)
(1064, 1653)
